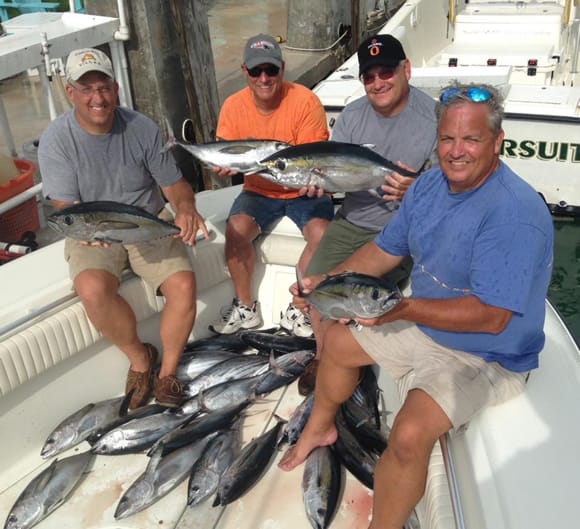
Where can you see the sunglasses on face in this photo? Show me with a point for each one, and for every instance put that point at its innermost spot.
(474, 94)
(383, 74)
(270, 71)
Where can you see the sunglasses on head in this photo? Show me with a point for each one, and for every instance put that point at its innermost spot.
(270, 71)
(384, 74)
(474, 94)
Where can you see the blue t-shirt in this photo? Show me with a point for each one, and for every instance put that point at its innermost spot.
(494, 242)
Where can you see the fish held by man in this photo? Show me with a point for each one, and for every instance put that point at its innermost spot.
(330, 165)
(109, 222)
(237, 155)
(353, 295)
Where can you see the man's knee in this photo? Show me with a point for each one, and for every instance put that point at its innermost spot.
(180, 287)
(92, 286)
(341, 348)
(408, 440)
(314, 230)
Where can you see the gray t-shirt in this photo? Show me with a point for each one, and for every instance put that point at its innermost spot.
(126, 165)
(409, 137)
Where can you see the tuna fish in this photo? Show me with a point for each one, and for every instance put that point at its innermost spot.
(206, 472)
(47, 491)
(331, 165)
(353, 295)
(138, 434)
(162, 475)
(240, 155)
(86, 422)
(297, 422)
(249, 466)
(109, 222)
(321, 486)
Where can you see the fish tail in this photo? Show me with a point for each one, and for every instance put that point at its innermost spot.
(169, 144)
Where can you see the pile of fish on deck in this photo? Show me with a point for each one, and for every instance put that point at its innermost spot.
(223, 376)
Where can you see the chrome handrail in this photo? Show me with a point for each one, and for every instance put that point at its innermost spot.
(452, 480)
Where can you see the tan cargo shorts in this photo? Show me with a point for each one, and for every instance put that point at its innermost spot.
(460, 383)
(153, 261)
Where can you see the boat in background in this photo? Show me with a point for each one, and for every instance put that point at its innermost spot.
(530, 50)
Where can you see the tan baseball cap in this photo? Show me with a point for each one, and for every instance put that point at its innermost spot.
(79, 62)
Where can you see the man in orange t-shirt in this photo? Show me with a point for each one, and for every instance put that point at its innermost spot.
(269, 108)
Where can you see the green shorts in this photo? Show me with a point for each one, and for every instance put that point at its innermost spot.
(340, 240)
(460, 383)
(153, 261)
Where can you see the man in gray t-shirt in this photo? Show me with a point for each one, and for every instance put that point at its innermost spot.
(98, 151)
(399, 121)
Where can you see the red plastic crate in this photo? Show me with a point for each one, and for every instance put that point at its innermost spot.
(23, 217)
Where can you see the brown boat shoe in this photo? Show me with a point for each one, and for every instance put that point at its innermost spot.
(307, 379)
(168, 391)
(141, 383)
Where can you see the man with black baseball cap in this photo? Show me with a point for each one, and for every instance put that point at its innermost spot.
(380, 50)
(399, 121)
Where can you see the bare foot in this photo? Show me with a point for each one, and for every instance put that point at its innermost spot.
(308, 441)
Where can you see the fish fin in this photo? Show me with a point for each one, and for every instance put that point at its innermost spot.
(124, 408)
(156, 456)
(46, 477)
(236, 149)
(117, 225)
(275, 366)
(109, 240)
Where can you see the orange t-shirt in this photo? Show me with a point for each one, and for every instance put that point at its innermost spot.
(300, 118)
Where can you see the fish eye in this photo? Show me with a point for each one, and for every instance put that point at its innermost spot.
(375, 294)
(281, 164)
(68, 220)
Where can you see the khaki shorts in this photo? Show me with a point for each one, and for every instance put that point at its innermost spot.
(461, 383)
(153, 261)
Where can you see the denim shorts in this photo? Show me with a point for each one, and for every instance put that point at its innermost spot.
(265, 210)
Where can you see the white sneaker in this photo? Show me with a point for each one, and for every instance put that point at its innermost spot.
(237, 316)
(296, 322)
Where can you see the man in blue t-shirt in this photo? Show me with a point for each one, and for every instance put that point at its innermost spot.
(481, 240)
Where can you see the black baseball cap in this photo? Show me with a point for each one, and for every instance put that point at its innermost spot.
(380, 50)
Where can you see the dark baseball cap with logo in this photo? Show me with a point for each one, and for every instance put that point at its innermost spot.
(379, 50)
(262, 49)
